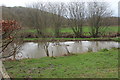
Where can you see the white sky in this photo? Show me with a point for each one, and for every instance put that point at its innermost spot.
(12, 3)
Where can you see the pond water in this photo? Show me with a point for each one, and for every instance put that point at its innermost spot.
(38, 50)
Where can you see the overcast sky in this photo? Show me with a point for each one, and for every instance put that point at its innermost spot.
(12, 3)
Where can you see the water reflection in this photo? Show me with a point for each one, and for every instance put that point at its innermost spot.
(38, 50)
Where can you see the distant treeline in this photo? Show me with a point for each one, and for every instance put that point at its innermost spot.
(21, 14)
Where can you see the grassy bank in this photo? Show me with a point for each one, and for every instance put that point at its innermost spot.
(72, 39)
(102, 64)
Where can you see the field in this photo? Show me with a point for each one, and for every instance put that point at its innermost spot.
(87, 29)
(69, 30)
(102, 64)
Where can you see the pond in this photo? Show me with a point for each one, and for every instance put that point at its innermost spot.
(38, 50)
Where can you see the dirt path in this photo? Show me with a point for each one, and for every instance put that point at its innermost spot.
(3, 73)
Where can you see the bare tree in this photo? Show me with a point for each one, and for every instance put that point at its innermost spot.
(38, 17)
(76, 16)
(58, 13)
(97, 17)
(10, 29)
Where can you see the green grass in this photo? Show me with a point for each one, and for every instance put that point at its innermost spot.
(69, 30)
(74, 39)
(30, 39)
(87, 29)
(102, 64)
